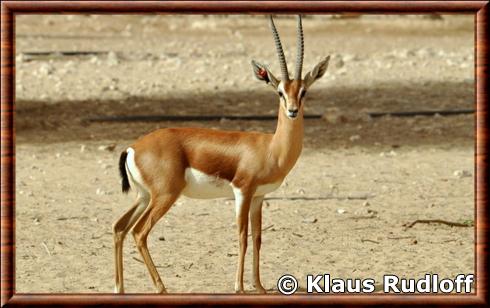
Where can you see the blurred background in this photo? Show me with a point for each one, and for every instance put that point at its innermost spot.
(200, 65)
(341, 210)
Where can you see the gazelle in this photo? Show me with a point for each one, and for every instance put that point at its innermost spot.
(206, 163)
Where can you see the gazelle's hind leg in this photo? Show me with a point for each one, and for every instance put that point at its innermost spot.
(159, 205)
(120, 229)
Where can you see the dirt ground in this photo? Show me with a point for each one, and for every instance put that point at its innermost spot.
(340, 211)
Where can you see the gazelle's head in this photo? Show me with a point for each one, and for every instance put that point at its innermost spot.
(291, 92)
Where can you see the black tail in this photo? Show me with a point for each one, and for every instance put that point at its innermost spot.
(123, 173)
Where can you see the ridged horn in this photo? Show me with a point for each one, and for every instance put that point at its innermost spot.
(280, 52)
(299, 56)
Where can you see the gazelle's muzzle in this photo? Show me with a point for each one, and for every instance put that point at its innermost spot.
(292, 113)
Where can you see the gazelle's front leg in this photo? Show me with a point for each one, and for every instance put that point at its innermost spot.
(256, 222)
(242, 206)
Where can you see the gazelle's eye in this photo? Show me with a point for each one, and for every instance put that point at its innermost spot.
(280, 94)
(303, 93)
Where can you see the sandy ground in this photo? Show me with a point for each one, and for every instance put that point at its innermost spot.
(340, 211)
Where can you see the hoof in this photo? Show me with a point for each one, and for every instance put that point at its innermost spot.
(161, 289)
(239, 288)
(118, 290)
(260, 290)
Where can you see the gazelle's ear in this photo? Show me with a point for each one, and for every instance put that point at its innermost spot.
(262, 73)
(317, 72)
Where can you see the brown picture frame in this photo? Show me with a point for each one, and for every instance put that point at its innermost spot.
(9, 9)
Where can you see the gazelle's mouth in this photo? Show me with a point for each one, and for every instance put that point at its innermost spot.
(292, 114)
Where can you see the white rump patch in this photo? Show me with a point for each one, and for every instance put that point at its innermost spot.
(135, 175)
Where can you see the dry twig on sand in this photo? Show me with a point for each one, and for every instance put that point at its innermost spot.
(46, 248)
(141, 261)
(264, 229)
(438, 221)
(400, 237)
(368, 240)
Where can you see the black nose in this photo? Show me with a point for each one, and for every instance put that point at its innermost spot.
(292, 113)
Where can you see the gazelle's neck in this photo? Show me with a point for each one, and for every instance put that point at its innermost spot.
(287, 142)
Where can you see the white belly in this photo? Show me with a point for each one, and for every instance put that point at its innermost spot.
(200, 185)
